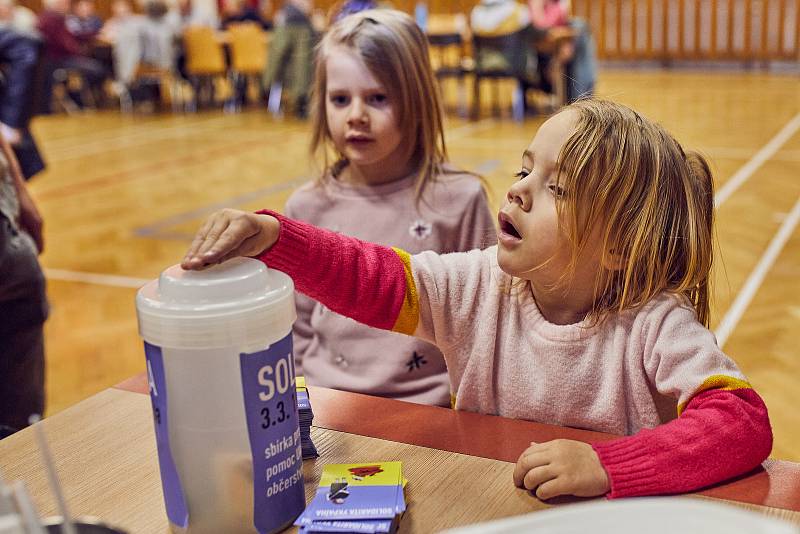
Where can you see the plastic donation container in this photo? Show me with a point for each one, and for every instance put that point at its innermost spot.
(220, 367)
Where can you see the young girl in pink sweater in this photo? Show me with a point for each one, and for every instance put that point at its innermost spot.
(377, 126)
(591, 312)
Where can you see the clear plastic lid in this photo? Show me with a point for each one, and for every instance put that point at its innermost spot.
(240, 302)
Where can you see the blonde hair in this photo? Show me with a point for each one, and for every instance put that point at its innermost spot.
(395, 51)
(653, 201)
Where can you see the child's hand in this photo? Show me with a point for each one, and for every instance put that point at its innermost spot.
(561, 467)
(230, 233)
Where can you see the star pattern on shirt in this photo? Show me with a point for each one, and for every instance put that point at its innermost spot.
(420, 229)
(416, 362)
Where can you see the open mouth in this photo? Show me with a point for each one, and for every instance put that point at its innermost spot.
(357, 139)
(507, 227)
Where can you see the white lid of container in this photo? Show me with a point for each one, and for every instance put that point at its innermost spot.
(239, 302)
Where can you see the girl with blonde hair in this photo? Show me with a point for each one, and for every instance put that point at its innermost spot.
(377, 128)
(591, 312)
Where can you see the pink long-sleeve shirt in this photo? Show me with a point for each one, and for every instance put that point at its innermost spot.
(333, 351)
(653, 374)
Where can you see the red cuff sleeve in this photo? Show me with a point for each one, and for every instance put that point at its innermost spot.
(720, 434)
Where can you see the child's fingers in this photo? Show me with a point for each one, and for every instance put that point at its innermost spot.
(217, 241)
(553, 488)
(538, 476)
(527, 462)
(199, 237)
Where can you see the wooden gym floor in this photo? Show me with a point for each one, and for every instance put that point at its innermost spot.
(124, 194)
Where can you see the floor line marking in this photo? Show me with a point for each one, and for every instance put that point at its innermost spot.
(157, 229)
(130, 132)
(112, 280)
(758, 159)
(470, 128)
(756, 277)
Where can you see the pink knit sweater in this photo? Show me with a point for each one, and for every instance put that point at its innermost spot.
(653, 374)
(333, 351)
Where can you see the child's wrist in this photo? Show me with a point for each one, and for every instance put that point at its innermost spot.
(270, 229)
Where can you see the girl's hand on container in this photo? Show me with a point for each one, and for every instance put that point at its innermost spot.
(228, 234)
(561, 467)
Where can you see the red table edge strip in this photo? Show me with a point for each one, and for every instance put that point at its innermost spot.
(776, 484)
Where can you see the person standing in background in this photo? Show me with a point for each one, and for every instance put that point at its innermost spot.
(23, 303)
(291, 53)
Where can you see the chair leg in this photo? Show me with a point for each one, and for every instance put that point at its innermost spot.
(496, 110)
(125, 100)
(274, 102)
(518, 103)
(87, 95)
(476, 98)
(195, 84)
(231, 104)
(461, 98)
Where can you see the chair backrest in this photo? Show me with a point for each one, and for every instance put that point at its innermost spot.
(204, 54)
(447, 35)
(248, 46)
(501, 53)
(447, 24)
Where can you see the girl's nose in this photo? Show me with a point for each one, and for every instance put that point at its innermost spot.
(357, 114)
(518, 194)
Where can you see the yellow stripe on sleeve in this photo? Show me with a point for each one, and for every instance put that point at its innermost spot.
(408, 318)
(725, 383)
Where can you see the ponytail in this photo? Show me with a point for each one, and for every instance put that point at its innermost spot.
(700, 251)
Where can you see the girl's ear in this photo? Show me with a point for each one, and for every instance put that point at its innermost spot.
(612, 261)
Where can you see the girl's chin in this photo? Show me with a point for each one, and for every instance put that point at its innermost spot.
(511, 267)
(505, 263)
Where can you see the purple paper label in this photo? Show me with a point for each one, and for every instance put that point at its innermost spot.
(273, 425)
(170, 482)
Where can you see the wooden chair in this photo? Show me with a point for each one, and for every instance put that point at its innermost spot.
(65, 81)
(248, 52)
(170, 87)
(512, 48)
(205, 62)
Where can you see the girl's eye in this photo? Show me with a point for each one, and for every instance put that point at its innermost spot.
(521, 174)
(557, 191)
(378, 99)
(339, 100)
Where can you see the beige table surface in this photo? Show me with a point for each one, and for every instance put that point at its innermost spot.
(105, 452)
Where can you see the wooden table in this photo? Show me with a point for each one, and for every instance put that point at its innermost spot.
(458, 464)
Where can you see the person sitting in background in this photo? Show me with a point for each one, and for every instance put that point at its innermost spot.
(236, 11)
(17, 18)
(186, 13)
(495, 18)
(146, 40)
(158, 37)
(122, 16)
(63, 51)
(549, 17)
(498, 17)
(291, 52)
(83, 22)
(19, 55)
